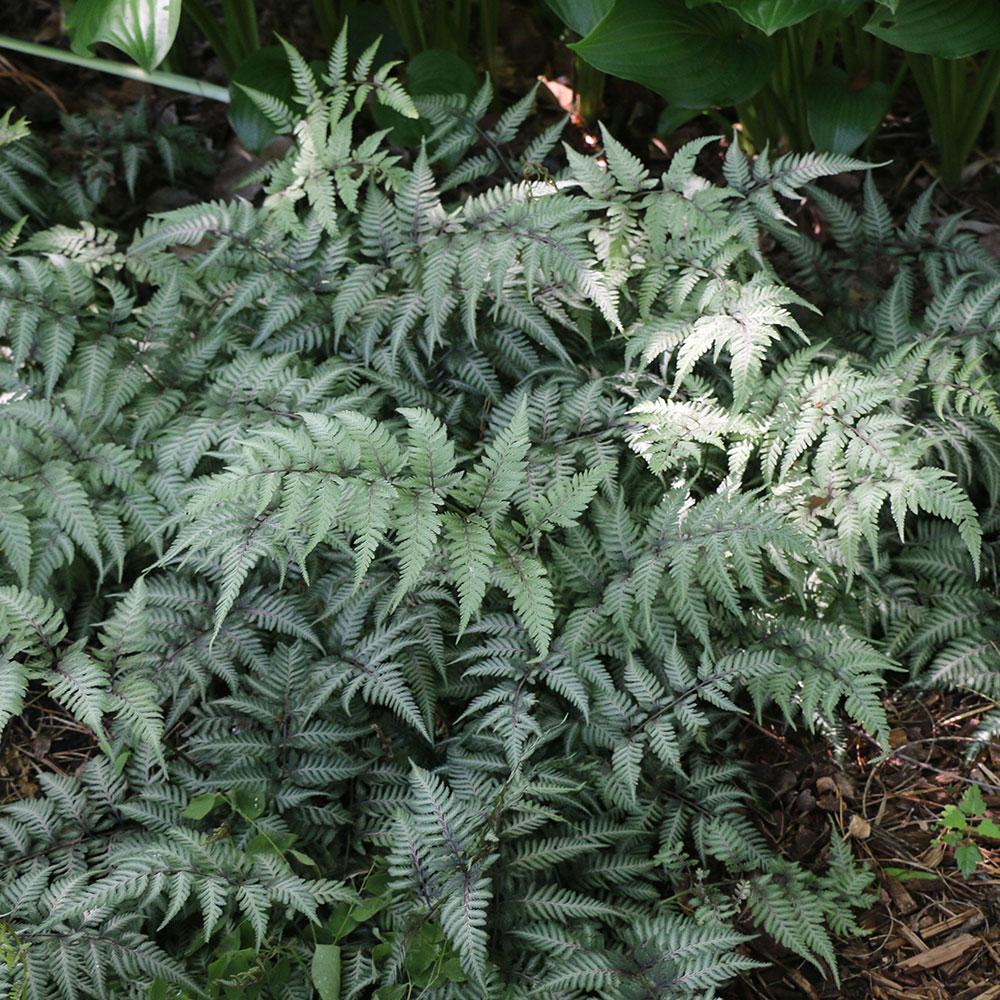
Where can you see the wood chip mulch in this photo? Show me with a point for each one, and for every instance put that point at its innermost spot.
(932, 934)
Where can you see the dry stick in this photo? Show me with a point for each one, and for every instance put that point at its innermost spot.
(931, 767)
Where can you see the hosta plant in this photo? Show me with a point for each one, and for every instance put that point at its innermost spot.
(809, 73)
(414, 543)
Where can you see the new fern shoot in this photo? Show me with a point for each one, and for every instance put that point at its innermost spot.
(412, 543)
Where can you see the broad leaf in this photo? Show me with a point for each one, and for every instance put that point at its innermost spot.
(200, 806)
(773, 15)
(950, 29)
(580, 15)
(843, 111)
(972, 802)
(952, 818)
(694, 58)
(437, 71)
(266, 71)
(433, 71)
(143, 29)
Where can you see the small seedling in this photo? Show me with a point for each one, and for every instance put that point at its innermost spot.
(963, 825)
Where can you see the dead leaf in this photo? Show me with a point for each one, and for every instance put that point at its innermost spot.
(859, 828)
(901, 899)
(828, 796)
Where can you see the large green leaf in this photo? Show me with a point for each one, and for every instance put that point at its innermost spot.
(843, 111)
(773, 15)
(267, 71)
(950, 29)
(437, 71)
(143, 29)
(433, 71)
(580, 15)
(694, 58)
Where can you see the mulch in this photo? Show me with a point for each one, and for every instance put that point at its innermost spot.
(932, 934)
(43, 739)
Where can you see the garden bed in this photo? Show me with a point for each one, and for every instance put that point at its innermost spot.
(563, 649)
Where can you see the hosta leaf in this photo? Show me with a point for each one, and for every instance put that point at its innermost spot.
(580, 15)
(694, 58)
(143, 29)
(773, 15)
(949, 29)
(266, 72)
(843, 111)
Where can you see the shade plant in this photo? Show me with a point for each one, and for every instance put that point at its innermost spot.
(414, 543)
(809, 73)
(156, 37)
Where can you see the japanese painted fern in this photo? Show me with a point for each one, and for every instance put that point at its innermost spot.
(428, 526)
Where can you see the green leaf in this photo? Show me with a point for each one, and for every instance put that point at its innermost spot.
(672, 118)
(471, 550)
(989, 828)
(582, 16)
(143, 29)
(491, 482)
(249, 802)
(266, 72)
(949, 29)
(843, 111)
(565, 500)
(200, 806)
(368, 907)
(693, 58)
(15, 534)
(433, 71)
(972, 803)
(967, 857)
(524, 580)
(326, 971)
(437, 71)
(774, 15)
(953, 818)
(910, 875)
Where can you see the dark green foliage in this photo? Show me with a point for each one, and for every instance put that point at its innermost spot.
(804, 74)
(92, 172)
(413, 555)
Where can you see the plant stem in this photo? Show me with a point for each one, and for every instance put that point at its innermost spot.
(588, 82)
(213, 31)
(979, 102)
(489, 30)
(328, 19)
(171, 81)
(407, 18)
(956, 117)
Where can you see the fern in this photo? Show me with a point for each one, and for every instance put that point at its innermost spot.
(413, 540)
